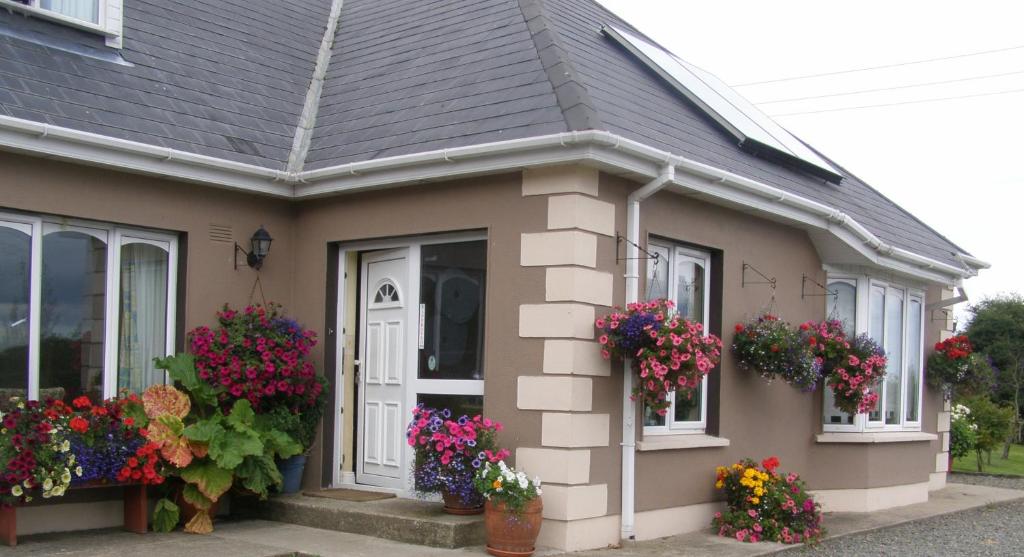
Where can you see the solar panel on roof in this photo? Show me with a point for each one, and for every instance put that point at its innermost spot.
(754, 129)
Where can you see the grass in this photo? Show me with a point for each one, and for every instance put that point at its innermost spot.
(1014, 466)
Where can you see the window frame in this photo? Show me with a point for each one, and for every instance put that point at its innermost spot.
(108, 18)
(115, 237)
(679, 253)
(864, 286)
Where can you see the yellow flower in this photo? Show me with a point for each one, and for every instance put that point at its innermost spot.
(496, 484)
(719, 484)
(758, 491)
(755, 500)
(749, 472)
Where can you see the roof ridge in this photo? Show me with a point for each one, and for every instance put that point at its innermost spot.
(572, 96)
(307, 119)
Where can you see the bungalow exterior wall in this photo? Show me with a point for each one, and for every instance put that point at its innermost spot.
(757, 418)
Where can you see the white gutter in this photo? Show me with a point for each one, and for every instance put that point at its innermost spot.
(629, 406)
(592, 146)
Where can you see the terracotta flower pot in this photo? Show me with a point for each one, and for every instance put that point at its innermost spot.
(511, 535)
(453, 504)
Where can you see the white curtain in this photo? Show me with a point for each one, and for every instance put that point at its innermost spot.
(143, 319)
(86, 10)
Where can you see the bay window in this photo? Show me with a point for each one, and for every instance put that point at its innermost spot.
(682, 275)
(84, 307)
(893, 316)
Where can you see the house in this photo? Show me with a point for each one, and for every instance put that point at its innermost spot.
(455, 190)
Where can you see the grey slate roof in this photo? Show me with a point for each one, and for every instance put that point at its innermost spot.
(228, 78)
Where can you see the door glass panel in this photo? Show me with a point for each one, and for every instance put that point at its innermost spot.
(142, 333)
(876, 327)
(913, 358)
(690, 289)
(894, 352)
(845, 310)
(458, 405)
(15, 270)
(657, 273)
(74, 278)
(452, 283)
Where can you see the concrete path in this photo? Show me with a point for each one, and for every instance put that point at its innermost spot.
(256, 538)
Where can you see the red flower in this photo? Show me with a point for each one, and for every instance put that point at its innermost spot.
(770, 464)
(82, 402)
(79, 424)
(739, 327)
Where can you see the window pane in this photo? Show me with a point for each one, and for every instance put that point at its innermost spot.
(142, 333)
(658, 273)
(74, 279)
(913, 358)
(452, 281)
(844, 309)
(651, 418)
(690, 289)
(86, 10)
(460, 405)
(15, 270)
(894, 352)
(687, 409)
(876, 328)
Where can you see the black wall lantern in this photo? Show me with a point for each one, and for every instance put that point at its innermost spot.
(258, 250)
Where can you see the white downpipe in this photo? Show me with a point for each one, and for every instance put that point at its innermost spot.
(629, 407)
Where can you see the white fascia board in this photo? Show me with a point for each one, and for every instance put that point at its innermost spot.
(132, 156)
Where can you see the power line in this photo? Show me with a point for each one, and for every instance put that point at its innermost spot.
(884, 66)
(919, 101)
(897, 87)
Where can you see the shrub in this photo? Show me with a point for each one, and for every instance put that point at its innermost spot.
(772, 348)
(994, 424)
(963, 432)
(765, 505)
(501, 484)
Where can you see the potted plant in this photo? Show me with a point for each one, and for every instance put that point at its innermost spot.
(259, 355)
(772, 348)
(447, 454)
(954, 365)
(35, 451)
(668, 353)
(852, 367)
(209, 449)
(512, 510)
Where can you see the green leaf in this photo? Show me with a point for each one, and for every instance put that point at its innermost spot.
(258, 473)
(173, 423)
(229, 447)
(137, 412)
(280, 444)
(194, 497)
(242, 416)
(205, 430)
(182, 369)
(211, 480)
(165, 516)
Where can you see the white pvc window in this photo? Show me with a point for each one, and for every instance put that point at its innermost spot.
(892, 315)
(682, 275)
(100, 16)
(84, 307)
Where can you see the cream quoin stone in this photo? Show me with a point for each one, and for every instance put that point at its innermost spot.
(945, 441)
(573, 284)
(556, 321)
(560, 179)
(558, 466)
(563, 247)
(579, 211)
(575, 502)
(574, 430)
(538, 392)
(576, 535)
(943, 425)
(942, 462)
(936, 481)
(660, 523)
(575, 357)
(871, 499)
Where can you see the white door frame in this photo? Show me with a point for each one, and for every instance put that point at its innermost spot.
(412, 384)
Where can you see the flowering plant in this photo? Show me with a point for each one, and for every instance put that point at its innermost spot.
(669, 353)
(35, 451)
(259, 355)
(498, 482)
(963, 432)
(772, 348)
(852, 366)
(106, 439)
(449, 452)
(954, 364)
(763, 504)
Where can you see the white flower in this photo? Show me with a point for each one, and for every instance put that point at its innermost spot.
(48, 484)
(536, 483)
(58, 491)
(65, 478)
(16, 491)
(65, 446)
(78, 471)
(27, 484)
(539, 491)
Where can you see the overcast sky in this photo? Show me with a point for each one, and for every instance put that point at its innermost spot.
(955, 164)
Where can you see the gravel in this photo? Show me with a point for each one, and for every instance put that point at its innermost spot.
(989, 530)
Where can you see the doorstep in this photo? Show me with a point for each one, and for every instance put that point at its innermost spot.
(403, 520)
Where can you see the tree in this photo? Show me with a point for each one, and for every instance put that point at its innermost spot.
(993, 425)
(996, 328)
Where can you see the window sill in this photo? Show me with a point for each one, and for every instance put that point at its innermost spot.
(56, 17)
(680, 441)
(875, 437)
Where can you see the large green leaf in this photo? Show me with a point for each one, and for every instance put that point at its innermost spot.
(191, 494)
(173, 423)
(211, 480)
(258, 473)
(182, 369)
(280, 444)
(229, 447)
(205, 430)
(165, 515)
(242, 416)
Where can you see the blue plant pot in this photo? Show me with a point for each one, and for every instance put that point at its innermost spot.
(291, 469)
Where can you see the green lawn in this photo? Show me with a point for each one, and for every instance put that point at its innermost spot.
(1012, 466)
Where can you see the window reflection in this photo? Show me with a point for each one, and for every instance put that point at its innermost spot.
(452, 289)
(15, 262)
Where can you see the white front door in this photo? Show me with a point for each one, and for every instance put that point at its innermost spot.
(382, 375)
